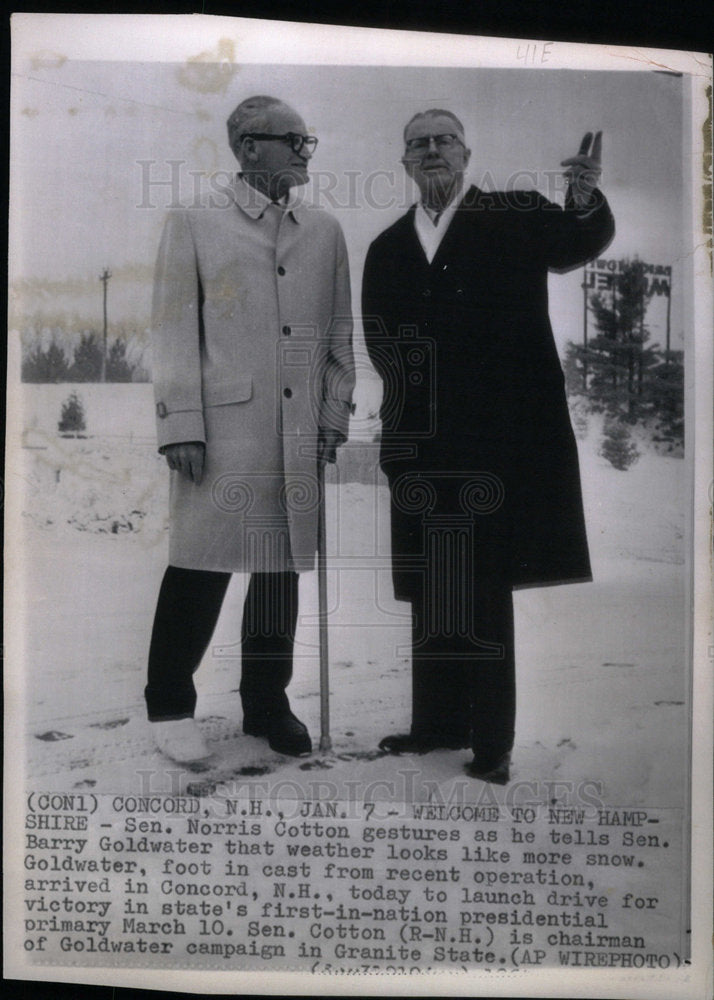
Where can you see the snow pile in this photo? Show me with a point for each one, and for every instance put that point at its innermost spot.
(112, 485)
(633, 515)
(100, 485)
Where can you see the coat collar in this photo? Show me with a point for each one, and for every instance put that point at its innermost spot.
(471, 199)
(254, 202)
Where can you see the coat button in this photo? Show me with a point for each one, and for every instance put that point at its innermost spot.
(287, 393)
(161, 410)
(281, 270)
(426, 293)
(287, 331)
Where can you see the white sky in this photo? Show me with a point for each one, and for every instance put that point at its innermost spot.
(81, 128)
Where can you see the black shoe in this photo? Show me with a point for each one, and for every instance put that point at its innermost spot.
(254, 727)
(496, 773)
(285, 734)
(418, 743)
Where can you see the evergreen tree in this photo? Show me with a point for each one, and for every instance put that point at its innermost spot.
(87, 363)
(618, 373)
(617, 445)
(72, 417)
(618, 359)
(118, 368)
(45, 364)
(666, 389)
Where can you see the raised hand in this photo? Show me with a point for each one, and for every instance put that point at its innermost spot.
(583, 173)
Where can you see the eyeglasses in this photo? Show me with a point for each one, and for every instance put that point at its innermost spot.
(296, 141)
(421, 143)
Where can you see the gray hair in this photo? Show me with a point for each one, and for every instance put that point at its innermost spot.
(434, 113)
(251, 115)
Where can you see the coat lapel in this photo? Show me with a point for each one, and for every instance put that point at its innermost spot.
(408, 239)
(453, 235)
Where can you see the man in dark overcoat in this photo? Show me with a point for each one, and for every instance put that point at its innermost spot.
(476, 443)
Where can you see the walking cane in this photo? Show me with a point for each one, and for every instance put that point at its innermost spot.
(325, 741)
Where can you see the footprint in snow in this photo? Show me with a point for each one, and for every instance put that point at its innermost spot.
(208, 785)
(348, 755)
(112, 724)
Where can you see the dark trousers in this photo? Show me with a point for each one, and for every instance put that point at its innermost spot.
(463, 667)
(186, 614)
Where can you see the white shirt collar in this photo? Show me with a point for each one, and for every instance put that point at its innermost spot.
(431, 234)
(254, 203)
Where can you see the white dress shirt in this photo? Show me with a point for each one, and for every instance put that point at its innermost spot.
(431, 233)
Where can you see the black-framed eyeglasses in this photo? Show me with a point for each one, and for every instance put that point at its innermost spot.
(421, 143)
(296, 141)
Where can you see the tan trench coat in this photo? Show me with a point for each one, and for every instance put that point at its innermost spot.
(252, 354)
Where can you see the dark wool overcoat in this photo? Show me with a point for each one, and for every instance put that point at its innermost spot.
(477, 443)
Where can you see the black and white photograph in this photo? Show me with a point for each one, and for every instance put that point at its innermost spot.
(357, 485)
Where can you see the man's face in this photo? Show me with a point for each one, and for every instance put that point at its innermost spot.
(435, 168)
(280, 165)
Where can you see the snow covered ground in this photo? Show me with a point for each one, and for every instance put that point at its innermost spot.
(602, 676)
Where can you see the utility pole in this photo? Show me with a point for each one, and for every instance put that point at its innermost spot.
(669, 320)
(104, 278)
(585, 328)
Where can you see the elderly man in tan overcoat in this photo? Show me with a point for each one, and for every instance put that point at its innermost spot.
(253, 378)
